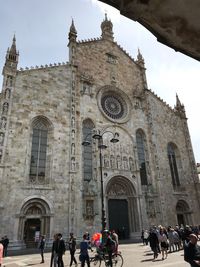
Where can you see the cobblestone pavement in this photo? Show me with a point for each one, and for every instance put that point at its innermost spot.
(135, 255)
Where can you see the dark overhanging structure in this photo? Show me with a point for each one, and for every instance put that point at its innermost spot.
(174, 23)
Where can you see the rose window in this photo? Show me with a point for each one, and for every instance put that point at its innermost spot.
(113, 106)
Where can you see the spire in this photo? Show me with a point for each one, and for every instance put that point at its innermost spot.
(12, 55)
(180, 107)
(140, 59)
(13, 49)
(106, 27)
(178, 102)
(72, 32)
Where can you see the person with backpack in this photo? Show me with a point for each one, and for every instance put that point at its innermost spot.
(84, 255)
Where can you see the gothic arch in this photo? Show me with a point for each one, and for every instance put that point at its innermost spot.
(121, 192)
(183, 212)
(142, 153)
(41, 119)
(40, 150)
(34, 217)
(174, 159)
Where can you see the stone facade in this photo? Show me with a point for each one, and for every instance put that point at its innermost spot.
(57, 188)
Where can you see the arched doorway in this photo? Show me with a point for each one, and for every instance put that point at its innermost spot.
(122, 207)
(183, 213)
(34, 221)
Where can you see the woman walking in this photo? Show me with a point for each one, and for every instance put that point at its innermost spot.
(163, 243)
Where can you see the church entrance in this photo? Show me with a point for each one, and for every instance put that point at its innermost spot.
(122, 208)
(183, 213)
(34, 221)
(118, 217)
(32, 232)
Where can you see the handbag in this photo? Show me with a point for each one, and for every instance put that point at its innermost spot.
(81, 257)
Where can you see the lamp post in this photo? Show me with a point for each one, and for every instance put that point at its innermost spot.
(98, 135)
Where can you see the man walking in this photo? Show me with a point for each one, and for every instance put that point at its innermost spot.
(192, 251)
(72, 249)
(60, 250)
(84, 256)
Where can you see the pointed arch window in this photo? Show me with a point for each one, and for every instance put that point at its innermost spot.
(172, 156)
(88, 126)
(40, 131)
(140, 140)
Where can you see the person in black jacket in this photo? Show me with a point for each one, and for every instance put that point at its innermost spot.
(154, 242)
(54, 252)
(41, 247)
(60, 249)
(192, 251)
(72, 249)
(5, 245)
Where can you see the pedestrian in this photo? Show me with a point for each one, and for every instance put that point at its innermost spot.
(60, 250)
(72, 249)
(41, 247)
(110, 247)
(5, 246)
(142, 236)
(192, 251)
(84, 256)
(146, 237)
(154, 242)
(163, 243)
(115, 237)
(1, 253)
(54, 256)
(171, 238)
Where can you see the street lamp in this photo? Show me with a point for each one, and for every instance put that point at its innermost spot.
(98, 135)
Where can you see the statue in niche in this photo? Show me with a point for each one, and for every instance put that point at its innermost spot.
(3, 123)
(112, 162)
(1, 153)
(73, 122)
(72, 184)
(131, 164)
(73, 109)
(9, 81)
(5, 108)
(1, 138)
(106, 161)
(7, 93)
(125, 163)
(73, 134)
(73, 164)
(118, 162)
(73, 149)
(86, 88)
(89, 208)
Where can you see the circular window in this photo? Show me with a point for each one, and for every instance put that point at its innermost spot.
(114, 104)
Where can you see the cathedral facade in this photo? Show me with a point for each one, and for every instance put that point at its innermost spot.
(51, 182)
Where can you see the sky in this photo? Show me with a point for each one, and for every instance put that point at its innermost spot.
(42, 27)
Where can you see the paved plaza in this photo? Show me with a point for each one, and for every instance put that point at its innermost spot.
(135, 255)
